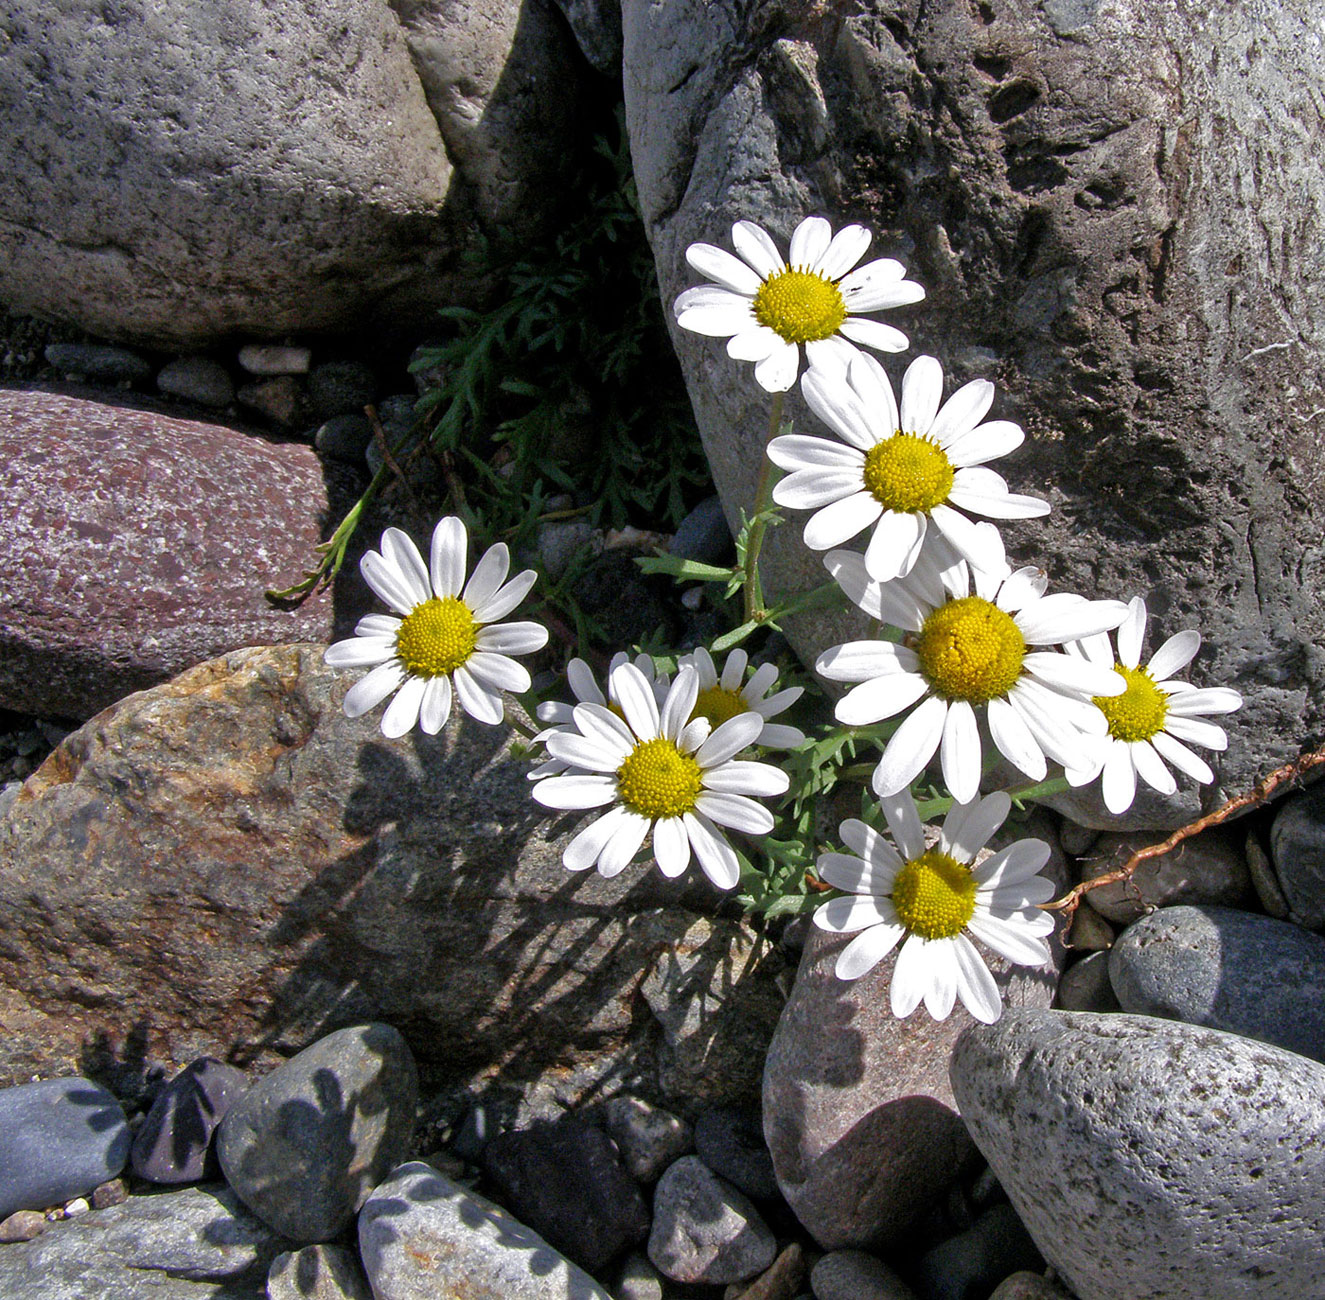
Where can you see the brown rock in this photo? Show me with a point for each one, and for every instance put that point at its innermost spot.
(228, 865)
(137, 544)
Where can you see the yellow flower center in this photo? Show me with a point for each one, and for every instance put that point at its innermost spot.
(436, 637)
(657, 780)
(971, 650)
(718, 705)
(934, 895)
(800, 306)
(908, 472)
(1139, 712)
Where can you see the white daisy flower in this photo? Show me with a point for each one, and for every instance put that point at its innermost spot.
(769, 308)
(934, 901)
(442, 642)
(1155, 718)
(663, 771)
(900, 471)
(966, 650)
(723, 696)
(584, 686)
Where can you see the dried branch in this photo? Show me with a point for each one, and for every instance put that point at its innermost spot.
(1253, 799)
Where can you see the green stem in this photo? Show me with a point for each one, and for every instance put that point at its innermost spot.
(1040, 790)
(754, 594)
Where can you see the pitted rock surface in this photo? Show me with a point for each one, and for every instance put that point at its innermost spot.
(1109, 238)
(226, 864)
(1149, 1158)
(138, 544)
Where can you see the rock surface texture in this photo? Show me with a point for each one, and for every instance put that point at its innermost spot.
(138, 544)
(178, 173)
(1101, 1131)
(1112, 239)
(227, 864)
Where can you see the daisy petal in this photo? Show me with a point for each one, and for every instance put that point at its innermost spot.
(359, 652)
(486, 580)
(671, 846)
(575, 791)
(975, 985)
(962, 411)
(716, 857)
(922, 391)
(368, 692)
(960, 752)
(1150, 768)
(436, 706)
(480, 701)
(403, 711)
(895, 544)
(874, 334)
(867, 950)
(814, 488)
(1210, 699)
(387, 582)
(505, 599)
(735, 810)
(728, 740)
(879, 698)
(1182, 758)
(724, 269)
(910, 977)
(631, 690)
(1118, 781)
(398, 549)
(848, 246)
(627, 839)
(967, 827)
(743, 777)
(512, 638)
(866, 290)
(911, 747)
(1009, 939)
(809, 242)
(753, 344)
(1194, 730)
(447, 555)
(777, 372)
(1014, 740)
(498, 672)
(794, 451)
(899, 811)
(841, 521)
(712, 320)
(987, 442)
(756, 246)
(582, 852)
(835, 401)
(1131, 633)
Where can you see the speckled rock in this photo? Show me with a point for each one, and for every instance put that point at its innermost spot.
(1297, 842)
(1085, 985)
(305, 1145)
(422, 1236)
(730, 1141)
(858, 1112)
(1106, 1121)
(138, 544)
(704, 1230)
(173, 1143)
(1208, 868)
(59, 1138)
(648, 1137)
(281, 869)
(1028, 1286)
(317, 1273)
(856, 1275)
(197, 1243)
(1077, 245)
(1238, 971)
(197, 379)
(97, 363)
(781, 1280)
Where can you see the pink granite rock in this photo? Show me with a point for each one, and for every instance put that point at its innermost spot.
(137, 544)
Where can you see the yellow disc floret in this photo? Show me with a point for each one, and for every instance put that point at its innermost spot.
(800, 306)
(436, 637)
(657, 780)
(1139, 712)
(934, 895)
(908, 472)
(971, 650)
(719, 705)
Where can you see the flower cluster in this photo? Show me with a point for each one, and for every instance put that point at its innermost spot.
(674, 761)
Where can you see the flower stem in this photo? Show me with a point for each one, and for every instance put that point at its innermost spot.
(754, 592)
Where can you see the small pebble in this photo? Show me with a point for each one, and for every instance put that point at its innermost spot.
(23, 1225)
(341, 388)
(99, 362)
(561, 542)
(197, 379)
(344, 437)
(1085, 985)
(703, 535)
(1090, 932)
(279, 399)
(1297, 845)
(1029, 1286)
(114, 1192)
(79, 1205)
(1263, 879)
(477, 1129)
(780, 1281)
(968, 1266)
(173, 1144)
(639, 1280)
(856, 1275)
(648, 1137)
(274, 359)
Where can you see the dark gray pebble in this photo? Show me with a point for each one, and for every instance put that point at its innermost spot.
(99, 362)
(704, 536)
(174, 1143)
(731, 1143)
(341, 388)
(197, 379)
(969, 1266)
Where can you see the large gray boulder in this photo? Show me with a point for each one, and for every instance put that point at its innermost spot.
(180, 172)
(1114, 240)
(226, 864)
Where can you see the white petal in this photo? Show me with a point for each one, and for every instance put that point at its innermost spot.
(498, 672)
(833, 353)
(812, 489)
(1009, 939)
(436, 706)
(583, 684)
(398, 549)
(874, 334)
(777, 372)
(858, 661)
(403, 711)
(968, 826)
(867, 950)
(835, 401)
(962, 411)
(988, 442)
(716, 857)
(975, 985)
(960, 752)
(679, 703)
(481, 702)
(1011, 865)
(799, 451)
(1064, 672)
(671, 846)
(994, 505)
(846, 871)
(911, 977)
(626, 840)
(753, 344)
(847, 915)
(1193, 730)
(896, 603)
(1051, 620)
(728, 740)
(809, 242)
(1210, 699)
(841, 521)
(911, 747)
(368, 692)
(360, 652)
(848, 246)
(574, 791)
(1174, 655)
(895, 544)
(777, 735)
(448, 553)
(1131, 633)
(742, 777)
(1118, 783)
(724, 269)
(899, 811)
(738, 811)
(879, 698)
(387, 582)
(941, 995)
(589, 753)
(1182, 758)
(599, 723)
(881, 272)
(1014, 740)
(922, 391)
(713, 319)
(512, 638)
(486, 580)
(378, 625)
(975, 546)
(1150, 768)
(867, 290)
(631, 690)
(582, 852)
(506, 598)
(756, 246)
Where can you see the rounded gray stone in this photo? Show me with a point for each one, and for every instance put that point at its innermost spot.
(174, 1141)
(976, 1260)
(1238, 971)
(422, 1236)
(98, 363)
(1149, 1158)
(59, 1138)
(1297, 843)
(856, 1275)
(648, 1137)
(197, 379)
(704, 1230)
(1028, 1286)
(317, 1273)
(308, 1142)
(1085, 985)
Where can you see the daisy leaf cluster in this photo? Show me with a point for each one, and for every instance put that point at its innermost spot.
(973, 661)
